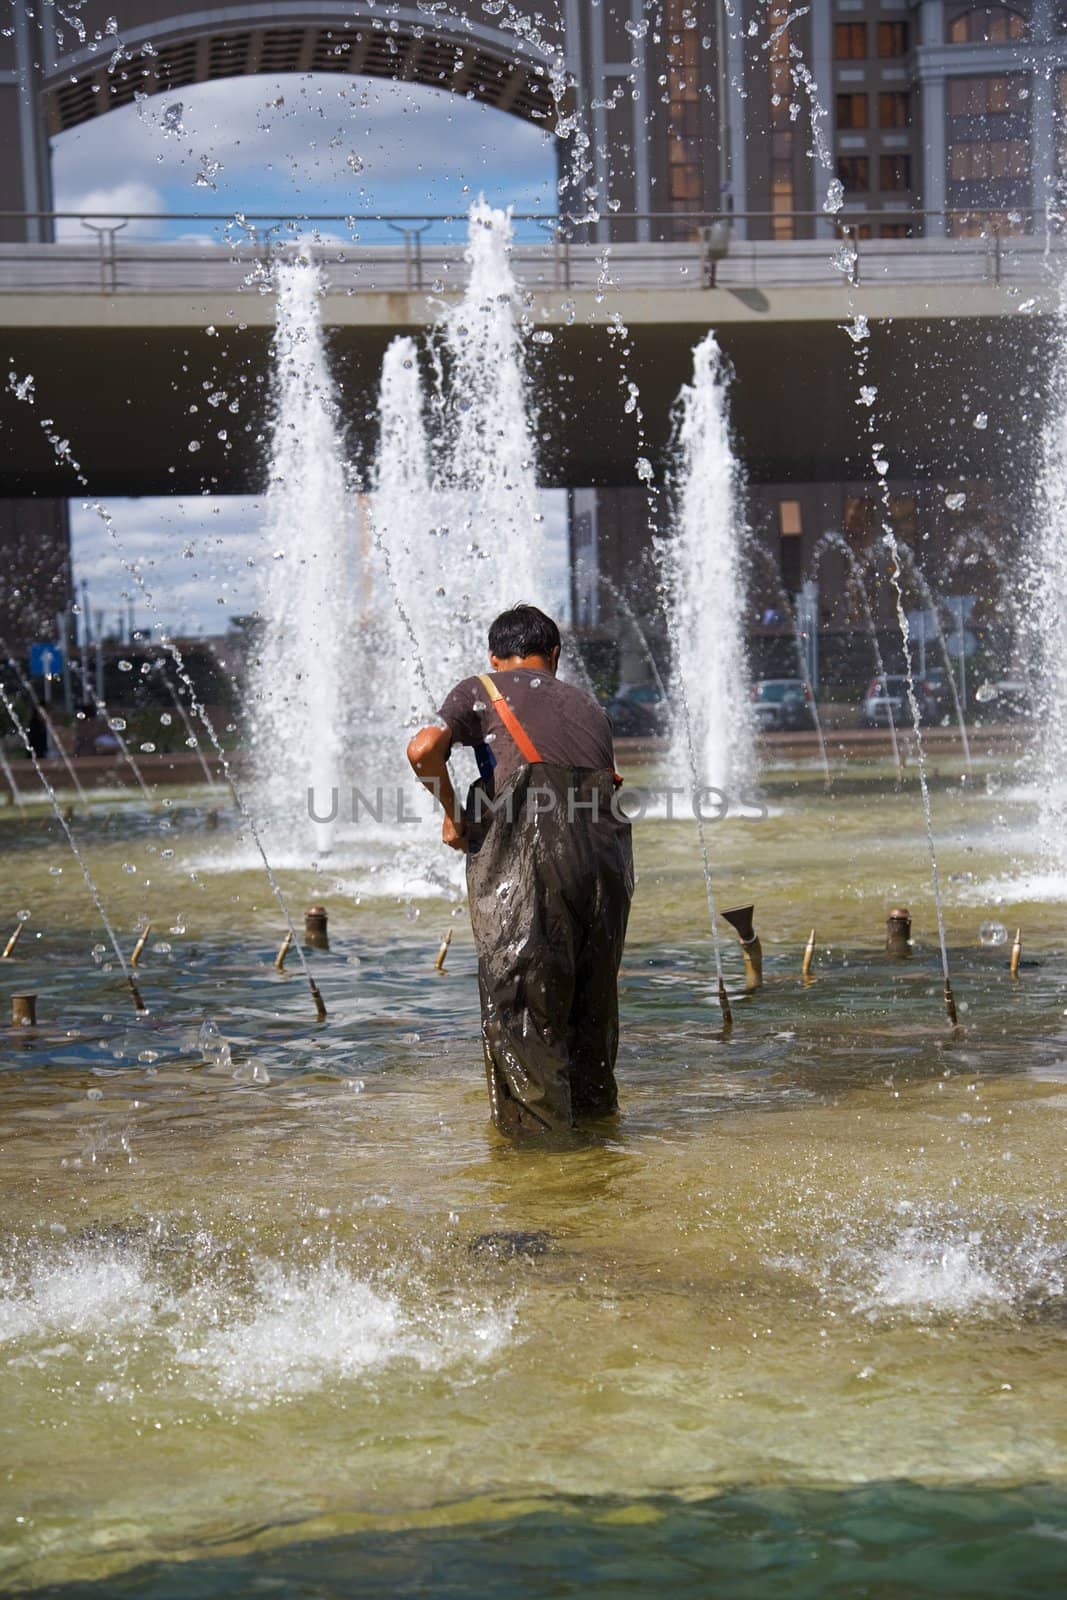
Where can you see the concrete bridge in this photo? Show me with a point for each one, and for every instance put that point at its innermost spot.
(124, 335)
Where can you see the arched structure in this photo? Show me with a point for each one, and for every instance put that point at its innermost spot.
(642, 112)
(68, 66)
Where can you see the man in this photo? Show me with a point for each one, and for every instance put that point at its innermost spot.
(549, 875)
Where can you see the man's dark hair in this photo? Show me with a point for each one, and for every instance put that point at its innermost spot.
(523, 631)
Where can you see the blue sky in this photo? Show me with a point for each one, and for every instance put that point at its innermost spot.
(292, 144)
(301, 143)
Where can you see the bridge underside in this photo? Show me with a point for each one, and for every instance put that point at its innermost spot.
(124, 398)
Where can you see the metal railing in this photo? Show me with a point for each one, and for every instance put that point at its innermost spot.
(225, 254)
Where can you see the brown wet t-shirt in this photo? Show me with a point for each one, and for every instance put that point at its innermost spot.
(566, 724)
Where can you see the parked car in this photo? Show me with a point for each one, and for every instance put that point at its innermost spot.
(891, 694)
(782, 704)
(638, 711)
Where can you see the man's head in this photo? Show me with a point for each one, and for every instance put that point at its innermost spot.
(524, 636)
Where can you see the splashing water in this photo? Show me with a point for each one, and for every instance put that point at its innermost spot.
(488, 469)
(456, 514)
(369, 618)
(705, 578)
(302, 694)
(1045, 580)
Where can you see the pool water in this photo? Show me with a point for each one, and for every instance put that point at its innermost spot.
(279, 1312)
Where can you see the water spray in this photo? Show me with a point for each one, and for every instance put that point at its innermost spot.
(61, 449)
(131, 981)
(42, 711)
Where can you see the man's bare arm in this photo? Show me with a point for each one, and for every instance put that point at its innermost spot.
(428, 754)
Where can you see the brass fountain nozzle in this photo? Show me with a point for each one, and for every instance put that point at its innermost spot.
(1016, 953)
(24, 1011)
(439, 964)
(315, 928)
(809, 957)
(740, 920)
(724, 1007)
(950, 1006)
(898, 933)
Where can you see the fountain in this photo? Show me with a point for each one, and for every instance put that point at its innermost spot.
(273, 1250)
(835, 541)
(704, 573)
(363, 638)
(303, 694)
(803, 668)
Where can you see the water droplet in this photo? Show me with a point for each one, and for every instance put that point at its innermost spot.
(981, 420)
(956, 501)
(992, 933)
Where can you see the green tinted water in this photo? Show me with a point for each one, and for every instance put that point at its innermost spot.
(279, 1309)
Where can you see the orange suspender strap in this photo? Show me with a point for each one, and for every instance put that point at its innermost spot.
(526, 747)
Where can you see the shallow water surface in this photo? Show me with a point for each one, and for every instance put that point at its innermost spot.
(278, 1310)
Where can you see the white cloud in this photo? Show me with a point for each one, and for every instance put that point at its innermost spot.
(112, 203)
(306, 142)
(192, 554)
(198, 557)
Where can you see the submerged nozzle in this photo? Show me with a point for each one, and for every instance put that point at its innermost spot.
(23, 1010)
(724, 1007)
(950, 1005)
(320, 1004)
(315, 928)
(13, 941)
(898, 933)
(1016, 953)
(439, 964)
(809, 957)
(138, 948)
(740, 919)
(138, 1002)
(283, 951)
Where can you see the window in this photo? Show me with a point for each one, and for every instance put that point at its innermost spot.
(987, 158)
(894, 172)
(854, 173)
(892, 40)
(783, 194)
(790, 522)
(850, 41)
(988, 137)
(894, 230)
(685, 168)
(894, 109)
(852, 111)
(861, 520)
(902, 515)
(987, 25)
(979, 97)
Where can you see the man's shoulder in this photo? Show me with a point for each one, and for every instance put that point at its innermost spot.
(465, 689)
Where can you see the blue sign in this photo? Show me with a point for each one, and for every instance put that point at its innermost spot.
(46, 661)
